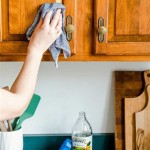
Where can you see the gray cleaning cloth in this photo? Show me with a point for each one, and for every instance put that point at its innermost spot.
(61, 42)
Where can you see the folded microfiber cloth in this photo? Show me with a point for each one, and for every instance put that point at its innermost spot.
(61, 42)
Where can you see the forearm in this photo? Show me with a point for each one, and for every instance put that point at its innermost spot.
(22, 89)
(24, 84)
(13, 103)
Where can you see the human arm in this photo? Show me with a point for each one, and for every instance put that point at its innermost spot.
(13, 103)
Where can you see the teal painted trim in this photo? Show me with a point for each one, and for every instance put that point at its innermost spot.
(103, 141)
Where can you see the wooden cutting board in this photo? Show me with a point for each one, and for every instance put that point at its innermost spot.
(142, 119)
(133, 105)
(128, 84)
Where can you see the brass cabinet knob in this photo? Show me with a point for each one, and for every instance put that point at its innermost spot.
(102, 30)
(69, 28)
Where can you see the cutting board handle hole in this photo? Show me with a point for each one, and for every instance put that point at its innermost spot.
(148, 75)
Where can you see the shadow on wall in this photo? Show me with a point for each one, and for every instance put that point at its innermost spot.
(109, 105)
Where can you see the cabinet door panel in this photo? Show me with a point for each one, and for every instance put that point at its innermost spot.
(15, 18)
(127, 23)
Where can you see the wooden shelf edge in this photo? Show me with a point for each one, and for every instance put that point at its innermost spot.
(5, 58)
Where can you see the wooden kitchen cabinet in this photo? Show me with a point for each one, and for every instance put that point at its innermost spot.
(15, 18)
(127, 23)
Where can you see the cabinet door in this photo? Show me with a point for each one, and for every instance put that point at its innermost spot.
(15, 18)
(127, 23)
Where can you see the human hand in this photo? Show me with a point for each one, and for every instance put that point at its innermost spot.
(46, 33)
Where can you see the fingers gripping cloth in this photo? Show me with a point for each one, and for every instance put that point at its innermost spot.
(61, 42)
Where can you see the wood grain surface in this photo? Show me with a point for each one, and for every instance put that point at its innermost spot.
(142, 120)
(128, 84)
(17, 16)
(127, 27)
(133, 105)
(128, 37)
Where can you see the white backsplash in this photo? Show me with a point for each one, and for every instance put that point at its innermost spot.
(74, 86)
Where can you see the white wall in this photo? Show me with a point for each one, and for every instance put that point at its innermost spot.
(75, 86)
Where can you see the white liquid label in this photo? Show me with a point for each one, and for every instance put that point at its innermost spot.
(82, 143)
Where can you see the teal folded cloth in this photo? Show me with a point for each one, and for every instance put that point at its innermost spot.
(61, 42)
